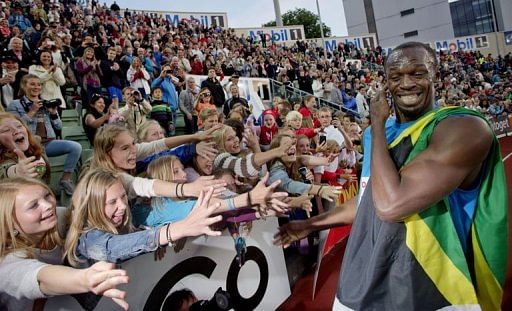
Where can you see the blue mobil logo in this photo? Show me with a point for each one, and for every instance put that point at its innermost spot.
(462, 44)
(332, 44)
(204, 20)
(277, 35)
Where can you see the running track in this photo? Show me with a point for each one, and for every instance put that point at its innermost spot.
(301, 292)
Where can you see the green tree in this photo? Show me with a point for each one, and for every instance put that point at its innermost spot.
(301, 16)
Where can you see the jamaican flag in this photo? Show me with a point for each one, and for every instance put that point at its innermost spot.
(419, 264)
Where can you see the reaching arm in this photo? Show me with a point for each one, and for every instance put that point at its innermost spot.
(299, 229)
(101, 279)
(175, 141)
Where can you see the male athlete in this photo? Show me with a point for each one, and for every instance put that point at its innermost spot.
(431, 225)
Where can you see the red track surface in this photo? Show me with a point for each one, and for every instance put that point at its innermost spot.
(301, 292)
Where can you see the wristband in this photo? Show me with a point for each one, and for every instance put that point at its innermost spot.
(168, 235)
(230, 203)
(319, 191)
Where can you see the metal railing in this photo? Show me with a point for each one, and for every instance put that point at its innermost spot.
(294, 95)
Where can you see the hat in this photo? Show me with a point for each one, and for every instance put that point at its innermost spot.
(269, 112)
(8, 57)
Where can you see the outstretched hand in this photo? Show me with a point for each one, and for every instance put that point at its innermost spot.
(198, 222)
(205, 182)
(102, 279)
(266, 198)
(206, 150)
(208, 134)
(291, 232)
(329, 193)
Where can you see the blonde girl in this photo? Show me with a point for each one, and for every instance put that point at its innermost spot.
(31, 251)
(115, 150)
(228, 145)
(101, 227)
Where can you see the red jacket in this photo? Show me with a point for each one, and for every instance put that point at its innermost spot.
(266, 134)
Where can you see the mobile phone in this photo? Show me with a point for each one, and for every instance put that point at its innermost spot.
(323, 139)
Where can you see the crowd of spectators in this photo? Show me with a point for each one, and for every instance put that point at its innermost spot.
(132, 73)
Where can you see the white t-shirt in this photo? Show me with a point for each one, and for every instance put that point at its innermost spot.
(18, 278)
(333, 133)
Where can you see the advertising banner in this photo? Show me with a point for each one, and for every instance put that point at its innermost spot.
(361, 42)
(508, 37)
(278, 35)
(501, 125)
(205, 19)
(204, 265)
(463, 44)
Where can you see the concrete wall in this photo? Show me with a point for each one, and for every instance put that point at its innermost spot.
(356, 17)
(431, 18)
(504, 12)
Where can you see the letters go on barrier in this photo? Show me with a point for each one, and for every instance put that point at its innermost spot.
(202, 266)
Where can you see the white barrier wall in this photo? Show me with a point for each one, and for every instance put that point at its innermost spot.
(204, 265)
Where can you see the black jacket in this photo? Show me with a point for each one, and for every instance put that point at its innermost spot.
(216, 89)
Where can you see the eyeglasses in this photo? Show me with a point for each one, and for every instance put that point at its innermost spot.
(206, 94)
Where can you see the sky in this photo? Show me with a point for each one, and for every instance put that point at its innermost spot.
(247, 13)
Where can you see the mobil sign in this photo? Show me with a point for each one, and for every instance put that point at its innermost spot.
(361, 42)
(199, 18)
(463, 44)
(368, 41)
(285, 34)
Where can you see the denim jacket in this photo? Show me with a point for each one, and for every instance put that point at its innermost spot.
(278, 172)
(16, 108)
(100, 245)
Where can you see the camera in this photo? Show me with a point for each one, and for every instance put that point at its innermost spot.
(168, 72)
(137, 97)
(221, 300)
(52, 103)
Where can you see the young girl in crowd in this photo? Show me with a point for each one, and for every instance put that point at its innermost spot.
(95, 117)
(307, 104)
(101, 227)
(286, 170)
(21, 154)
(268, 130)
(294, 120)
(243, 164)
(89, 69)
(204, 101)
(51, 77)
(31, 230)
(115, 150)
(138, 77)
(152, 131)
